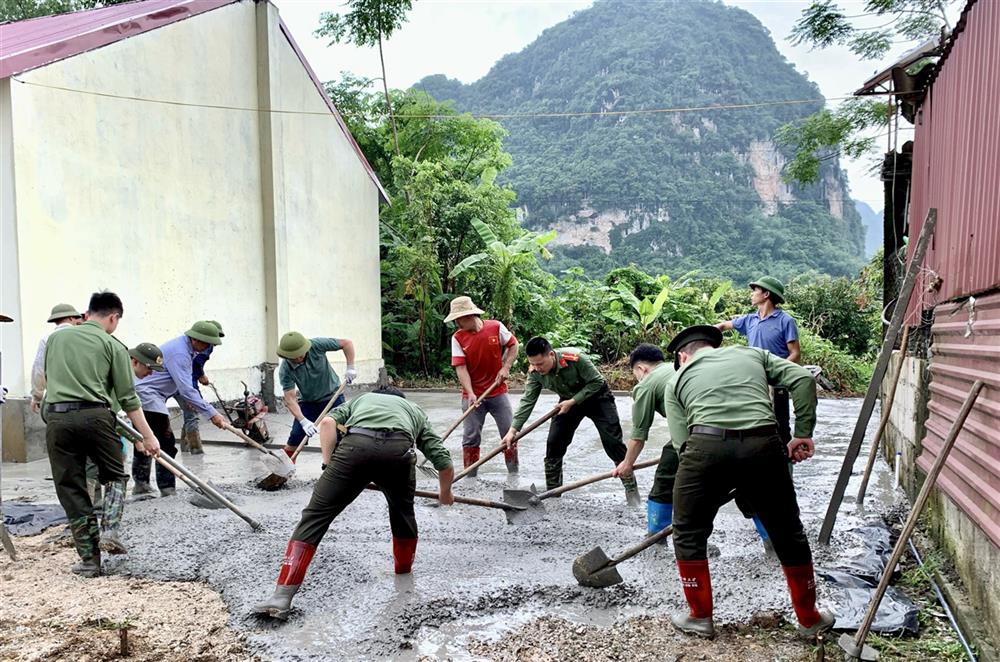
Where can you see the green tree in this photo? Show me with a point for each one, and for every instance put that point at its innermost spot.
(824, 23)
(367, 23)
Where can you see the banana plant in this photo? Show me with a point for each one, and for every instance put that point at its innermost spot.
(501, 262)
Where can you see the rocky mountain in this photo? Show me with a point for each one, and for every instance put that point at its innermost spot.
(618, 144)
(872, 221)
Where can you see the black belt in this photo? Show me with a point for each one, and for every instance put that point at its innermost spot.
(63, 407)
(381, 434)
(723, 433)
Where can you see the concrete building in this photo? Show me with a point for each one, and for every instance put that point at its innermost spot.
(954, 312)
(183, 154)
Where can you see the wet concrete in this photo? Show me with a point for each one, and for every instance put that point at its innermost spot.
(474, 573)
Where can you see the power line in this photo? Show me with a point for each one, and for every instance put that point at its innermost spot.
(561, 114)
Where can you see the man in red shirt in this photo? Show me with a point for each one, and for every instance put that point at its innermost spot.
(482, 352)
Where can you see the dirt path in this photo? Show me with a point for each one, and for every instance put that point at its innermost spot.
(48, 613)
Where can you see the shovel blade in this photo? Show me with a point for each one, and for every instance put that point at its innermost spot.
(865, 652)
(202, 500)
(530, 508)
(593, 569)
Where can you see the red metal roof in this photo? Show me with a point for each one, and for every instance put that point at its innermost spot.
(36, 42)
(966, 347)
(956, 164)
(26, 45)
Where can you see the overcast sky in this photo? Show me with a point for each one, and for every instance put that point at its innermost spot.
(463, 38)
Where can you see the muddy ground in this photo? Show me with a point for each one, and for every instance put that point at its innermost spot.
(481, 588)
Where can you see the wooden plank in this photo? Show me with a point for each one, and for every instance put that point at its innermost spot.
(891, 335)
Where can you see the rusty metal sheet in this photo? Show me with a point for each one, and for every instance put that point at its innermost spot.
(966, 347)
(36, 42)
(956, 165)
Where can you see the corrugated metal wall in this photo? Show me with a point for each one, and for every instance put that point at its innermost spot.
(956, 163)
(966, 347)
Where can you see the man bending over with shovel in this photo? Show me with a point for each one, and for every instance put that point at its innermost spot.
(721, 420)
(654, 376)
(306, 372)
(583, 393)
(382, 429)
(156, 388)
(482, 353)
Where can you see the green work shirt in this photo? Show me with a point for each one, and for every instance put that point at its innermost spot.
(574, 377)
(728, 388)
(314, 377)
(85, 364)
(649, 398)
(380, 411)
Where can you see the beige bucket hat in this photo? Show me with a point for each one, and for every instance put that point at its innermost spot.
(460, 307)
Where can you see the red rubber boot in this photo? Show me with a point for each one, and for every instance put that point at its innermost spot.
(802, 587)
(470, 455)
(403, 551)
(697, 585)
(510, 457)
(298, 556)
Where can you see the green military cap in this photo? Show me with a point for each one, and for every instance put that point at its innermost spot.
(772, 285)
(204, 331)
(293, 345)
(705, 332)
(148, 355)
(217, 326)
(62, 310)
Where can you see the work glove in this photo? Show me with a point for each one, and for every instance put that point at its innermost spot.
(309, 427)
(350, 374)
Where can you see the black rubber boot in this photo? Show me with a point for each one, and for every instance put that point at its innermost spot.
(553, 473)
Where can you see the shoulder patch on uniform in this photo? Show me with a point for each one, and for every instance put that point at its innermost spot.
(570, 356)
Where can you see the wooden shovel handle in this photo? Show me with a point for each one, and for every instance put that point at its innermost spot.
(592, 479)
(250, 442)
(485, 503)
(499, 449)
(471, 407)
(647, 542)
(326, 410)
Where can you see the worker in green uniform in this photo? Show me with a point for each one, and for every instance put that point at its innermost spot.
(583, 393)
(382, 429)
(722, 423)
(653, 376)
(87, 373)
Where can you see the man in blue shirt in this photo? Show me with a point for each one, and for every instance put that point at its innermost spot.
(175, 380)
(769, 327)
(190, 434)
(774, 330)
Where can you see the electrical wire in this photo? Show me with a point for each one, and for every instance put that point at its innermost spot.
(561, 114)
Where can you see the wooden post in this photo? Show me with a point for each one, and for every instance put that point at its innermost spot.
(886, 410)
(918, 506)
(891, 335)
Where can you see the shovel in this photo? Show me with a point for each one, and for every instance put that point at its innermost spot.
(279, 467)
(326, 409)
(596, 570)
(485, 503)
(194, 482)
(499, 449)
(531, 497)
(431, 471)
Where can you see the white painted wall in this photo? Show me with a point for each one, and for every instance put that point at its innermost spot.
(162, 202)
(334, 287)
